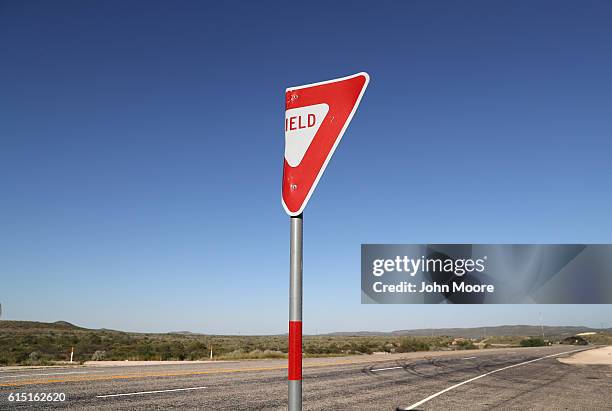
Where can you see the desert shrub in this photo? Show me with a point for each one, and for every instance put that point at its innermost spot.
(465, 345)
(98, 355)
(532, 342)
(255, 354)
(409, 344)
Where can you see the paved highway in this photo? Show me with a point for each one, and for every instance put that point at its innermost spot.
(520, 378)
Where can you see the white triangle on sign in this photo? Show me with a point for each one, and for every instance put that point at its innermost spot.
(301, 125)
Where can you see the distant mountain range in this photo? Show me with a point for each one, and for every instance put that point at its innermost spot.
(480, 332)
(470, 332)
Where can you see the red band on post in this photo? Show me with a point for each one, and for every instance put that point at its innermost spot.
(295, 350)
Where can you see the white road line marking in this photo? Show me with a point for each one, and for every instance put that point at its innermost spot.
(469, 358)
(47, 374)
(384, 369)
(431, 397)
(149, 392)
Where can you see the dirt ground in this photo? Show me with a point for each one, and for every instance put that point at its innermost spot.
(598, 356)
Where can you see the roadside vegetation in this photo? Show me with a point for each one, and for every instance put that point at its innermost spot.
(533, 342)
(33, 343)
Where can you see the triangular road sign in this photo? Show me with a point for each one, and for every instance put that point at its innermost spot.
(316, 117)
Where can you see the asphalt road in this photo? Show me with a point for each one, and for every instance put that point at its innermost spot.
(521, 378)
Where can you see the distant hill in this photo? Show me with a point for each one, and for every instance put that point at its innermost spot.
(480, 332)
(65, 324)
(29, 326)
(469, 332)
(185, 333)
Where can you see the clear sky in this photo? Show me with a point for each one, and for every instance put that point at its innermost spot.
(141, 148)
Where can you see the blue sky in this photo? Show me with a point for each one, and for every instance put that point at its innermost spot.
(141, 150)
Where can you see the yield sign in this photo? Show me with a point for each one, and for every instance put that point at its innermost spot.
(316, 117)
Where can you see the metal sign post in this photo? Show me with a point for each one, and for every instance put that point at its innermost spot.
(295, 315)
(316, 117)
